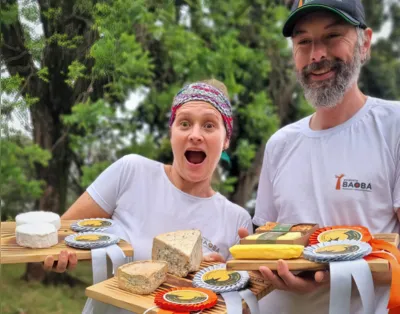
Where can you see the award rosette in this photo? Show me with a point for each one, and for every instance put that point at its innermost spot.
(92, 224)
(231, 285)
(185, 299)
(91, 240)
(219, 280)
(337, 233)
(341, 250)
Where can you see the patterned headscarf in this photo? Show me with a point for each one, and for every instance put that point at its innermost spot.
(204, 92)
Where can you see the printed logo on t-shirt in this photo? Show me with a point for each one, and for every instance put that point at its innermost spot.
(210, 246)
(352, 184)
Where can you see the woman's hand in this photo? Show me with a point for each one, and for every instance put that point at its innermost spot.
(66, 261)
(214, 257)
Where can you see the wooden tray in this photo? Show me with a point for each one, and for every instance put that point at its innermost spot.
(109, 293)
(377, 265)
(12, 253)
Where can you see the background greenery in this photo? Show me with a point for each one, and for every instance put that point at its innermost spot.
(84, 82)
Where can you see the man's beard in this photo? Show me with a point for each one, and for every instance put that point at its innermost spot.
(328, 93)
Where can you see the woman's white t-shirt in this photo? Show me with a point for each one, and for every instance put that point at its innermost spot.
(144, 203)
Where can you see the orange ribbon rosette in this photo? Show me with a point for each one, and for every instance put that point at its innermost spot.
(184, 300)
(380, 249)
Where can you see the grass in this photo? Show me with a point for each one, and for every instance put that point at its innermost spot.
(20, 297)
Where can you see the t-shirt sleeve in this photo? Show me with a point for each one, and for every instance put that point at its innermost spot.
(106, 188)
(265, 209)
(396, 188)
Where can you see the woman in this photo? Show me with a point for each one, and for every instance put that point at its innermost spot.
(146, 198)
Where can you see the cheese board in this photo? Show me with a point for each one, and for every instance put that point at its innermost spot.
(301, 264)
(12, 253)
(108, 292)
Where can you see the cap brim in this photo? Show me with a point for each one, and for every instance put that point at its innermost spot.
(309, 8)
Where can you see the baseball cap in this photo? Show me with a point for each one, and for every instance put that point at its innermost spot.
(351, 11)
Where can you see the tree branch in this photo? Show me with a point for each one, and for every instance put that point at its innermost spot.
(15, 54)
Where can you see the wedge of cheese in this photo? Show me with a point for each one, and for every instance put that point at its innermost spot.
(142, 277)
(38, 217)
(266, 251)
(182, 250)
(39, 235)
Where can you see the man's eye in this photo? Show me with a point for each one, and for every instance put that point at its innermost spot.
(304, 42)
(333, 35)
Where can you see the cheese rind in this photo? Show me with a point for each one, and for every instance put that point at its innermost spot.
(39, 217)
(142, 277)
(38, 236)
(266, 251)
(182, 250)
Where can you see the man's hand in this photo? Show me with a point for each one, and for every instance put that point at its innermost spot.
(66, 260)
(214, 257)
(286, 280)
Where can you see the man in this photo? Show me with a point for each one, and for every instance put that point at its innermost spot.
(339, 166)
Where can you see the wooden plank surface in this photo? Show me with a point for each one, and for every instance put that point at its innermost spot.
(376, 265)
(12, 253)
(109, 293)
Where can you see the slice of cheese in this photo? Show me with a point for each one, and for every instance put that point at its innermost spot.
(142, 277)
(38, 217)
(39, 235)
(266, 251)
(181, 249)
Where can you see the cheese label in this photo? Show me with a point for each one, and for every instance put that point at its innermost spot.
(339, 234)
(221, 278)
(185, 297)
(94, 223)
(92, 238)
(338, 249)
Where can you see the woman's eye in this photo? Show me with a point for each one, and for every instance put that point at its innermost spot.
(209, 125)
(185, 124)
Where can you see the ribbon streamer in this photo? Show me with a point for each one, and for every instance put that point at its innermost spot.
(99, 265)
(250, 300)
(340, 294)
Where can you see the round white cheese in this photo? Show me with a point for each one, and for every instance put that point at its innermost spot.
(39, 235)
(38, 217)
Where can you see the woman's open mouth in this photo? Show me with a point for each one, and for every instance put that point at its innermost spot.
(195, 156)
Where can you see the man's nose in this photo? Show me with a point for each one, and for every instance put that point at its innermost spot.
(319, 51)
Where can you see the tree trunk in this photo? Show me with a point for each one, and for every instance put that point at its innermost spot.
(55, 97)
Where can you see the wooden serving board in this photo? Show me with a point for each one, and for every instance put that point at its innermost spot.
(376, 265)
(12, 253)
(109, 293)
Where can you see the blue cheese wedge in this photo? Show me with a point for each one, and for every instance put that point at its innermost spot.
(39, 217)
(142, 277)
(182, 250)
(37, 236)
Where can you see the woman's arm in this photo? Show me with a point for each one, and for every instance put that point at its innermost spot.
(85, 207)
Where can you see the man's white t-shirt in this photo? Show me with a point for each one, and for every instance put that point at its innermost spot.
(349, 174)
(144, 203)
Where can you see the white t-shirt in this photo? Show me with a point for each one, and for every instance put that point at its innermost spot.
(349, 174)
(144, 203)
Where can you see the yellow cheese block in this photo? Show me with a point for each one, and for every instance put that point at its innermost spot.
(266, 251)
(290, 236)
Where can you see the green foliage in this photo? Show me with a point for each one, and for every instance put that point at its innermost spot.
(90, 173)
(18, 188)
(43, 74)
(8, 13)
(75, 71)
